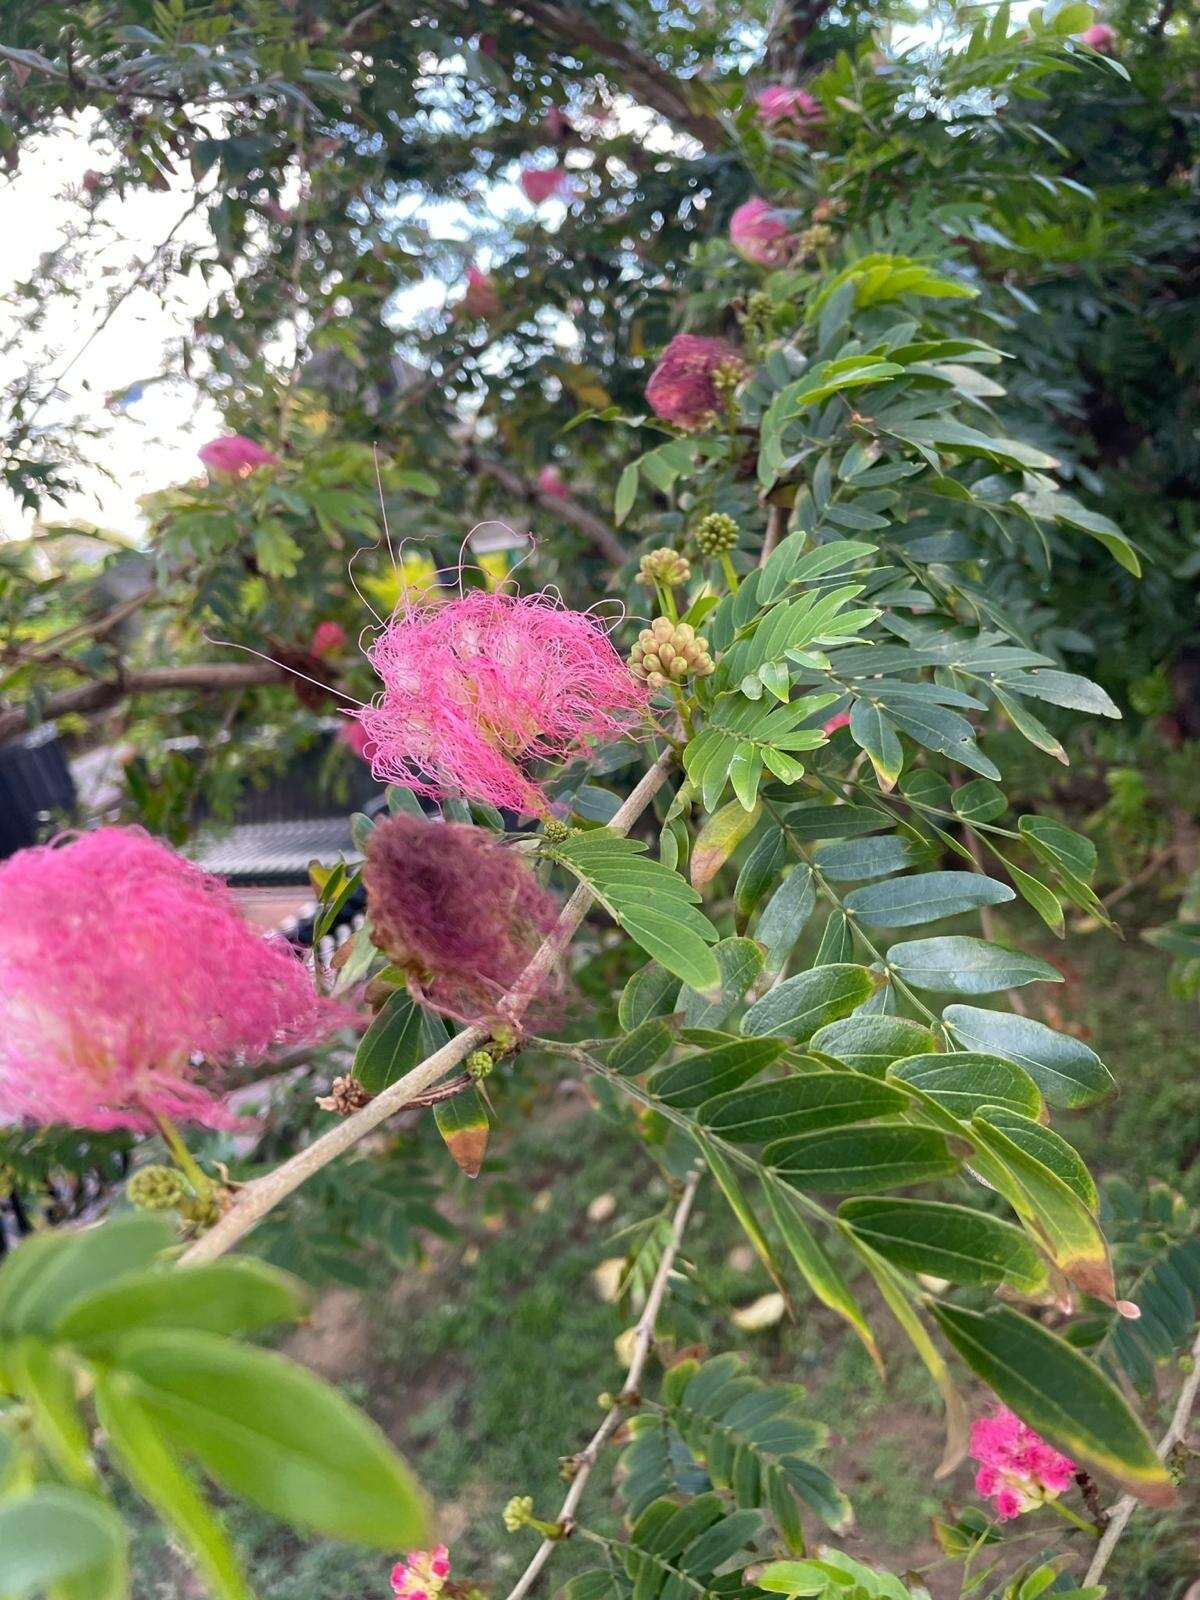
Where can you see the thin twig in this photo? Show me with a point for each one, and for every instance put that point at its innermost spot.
(264, 1194)
(642, 1339)
(565, 505)
(1120, 1514)
(776, 528)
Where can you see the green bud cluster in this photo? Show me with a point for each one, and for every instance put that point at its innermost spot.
(479, 1064)
(716, 534)
(667, 652)
(727, 377)
(156, 1188)
(557, 832)
(814, 238)
(518, 1513)
(664, 566)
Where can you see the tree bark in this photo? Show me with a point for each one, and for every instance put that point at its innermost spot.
(211, 676)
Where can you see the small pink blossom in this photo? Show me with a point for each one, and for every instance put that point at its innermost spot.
(545, 183)
(682, 388)
(355, 737)
(557, 125)
(551, 481)
(422, 1574)
(1100, 37)
(236, 454)
(477, 689)
(92, 180)
(328, 638)
(779, 104)
(480, 298)
(758, 233)
(130, 979)
(840, 719)
(1018, 1470)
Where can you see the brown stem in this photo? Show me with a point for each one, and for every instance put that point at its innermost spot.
(776, 528)
(642, 1339)
(640, 76)
(566, 506)
(211, 676)
(1125, 1506)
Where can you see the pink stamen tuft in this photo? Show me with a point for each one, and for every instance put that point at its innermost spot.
(476, 690)
(236, 455)
(758, 233)
(1018, 1470)
(682, 388)
(122, 966)
(460, 912)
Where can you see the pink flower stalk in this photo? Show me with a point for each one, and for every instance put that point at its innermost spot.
(840, 719)
(1018, 1470)
(551, 481)
(1100, 37)
(480, 298)
(236, 454)
(328, 638)
(682, 389)
(460, 913)
(778, 104)
(557, 125)
(121, 965)
(422, 1574)
(545, 183)
(758, 233)
(475, 690)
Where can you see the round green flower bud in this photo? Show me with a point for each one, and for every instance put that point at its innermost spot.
(518, 1513)
(716, 534)
(156, 1188)
(479, 1063)
(667, 652)
(666, 567)
(556, 831)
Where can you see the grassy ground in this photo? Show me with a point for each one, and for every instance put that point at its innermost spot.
(485, 1366)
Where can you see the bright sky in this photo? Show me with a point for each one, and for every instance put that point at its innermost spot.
(154, 443)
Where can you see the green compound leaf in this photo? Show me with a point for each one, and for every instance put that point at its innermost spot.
(654, 905)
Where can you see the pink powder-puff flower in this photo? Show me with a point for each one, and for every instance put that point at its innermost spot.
(92, 181)
(236, 454)
(778, 104)
(551, 481)
(480, 298)
(683, 387)
(544, 183)
(457, 910)
(476, 690)
(1018, 1470)
(130, 979)
(328, 638)
(759, 234)
(422, 1574)
(1099, 37)
(840, 719)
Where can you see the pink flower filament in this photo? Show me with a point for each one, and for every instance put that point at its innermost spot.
(779, 104)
